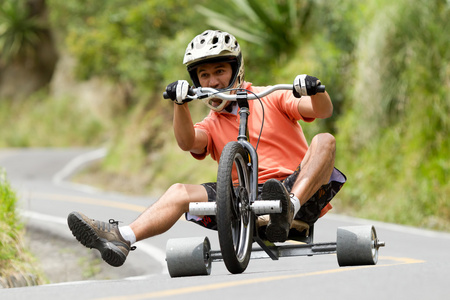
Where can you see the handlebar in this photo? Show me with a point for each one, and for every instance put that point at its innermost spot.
(206, 92)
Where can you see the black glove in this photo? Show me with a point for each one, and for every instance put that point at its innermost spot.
(178, 91)
(305, 85)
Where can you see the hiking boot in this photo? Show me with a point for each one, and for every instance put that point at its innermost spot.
(280, 223)
(105, 237)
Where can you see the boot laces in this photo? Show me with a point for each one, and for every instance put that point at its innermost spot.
(114, 222)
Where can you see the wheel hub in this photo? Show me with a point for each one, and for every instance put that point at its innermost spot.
(244, 204)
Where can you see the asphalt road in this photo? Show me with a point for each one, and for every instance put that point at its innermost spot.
(415, 263)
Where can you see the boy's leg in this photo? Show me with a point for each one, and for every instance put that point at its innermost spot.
(164, 213)
(315, 171)
(156, 219)
(316, 167)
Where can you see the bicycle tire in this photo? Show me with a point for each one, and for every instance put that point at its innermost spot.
(234, 216)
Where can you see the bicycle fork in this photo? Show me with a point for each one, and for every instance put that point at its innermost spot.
(243, 139)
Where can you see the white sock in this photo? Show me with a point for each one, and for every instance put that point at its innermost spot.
(128, 234)
(296, 203)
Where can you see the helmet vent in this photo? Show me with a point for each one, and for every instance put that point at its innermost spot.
(227, 39)
(215, 40)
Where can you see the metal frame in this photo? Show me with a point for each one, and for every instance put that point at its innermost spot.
(275, 252)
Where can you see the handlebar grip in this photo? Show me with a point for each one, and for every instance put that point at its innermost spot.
(321, 89)
(190, 92)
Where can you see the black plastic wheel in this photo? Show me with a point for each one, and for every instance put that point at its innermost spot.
(234, 216)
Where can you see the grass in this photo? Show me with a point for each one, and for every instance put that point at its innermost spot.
(15, 260)
(47, 122)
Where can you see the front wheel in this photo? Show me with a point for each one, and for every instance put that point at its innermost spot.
(234, 216)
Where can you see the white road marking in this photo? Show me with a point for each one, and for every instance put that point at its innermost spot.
(74, 165)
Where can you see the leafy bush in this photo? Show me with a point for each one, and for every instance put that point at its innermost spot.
(20, 31)
(14, 258)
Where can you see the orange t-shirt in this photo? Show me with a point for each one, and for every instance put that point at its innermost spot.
(282, 145)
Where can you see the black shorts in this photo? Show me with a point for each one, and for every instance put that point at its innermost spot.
(309, 212)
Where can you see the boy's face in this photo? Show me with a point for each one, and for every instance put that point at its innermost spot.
(215, 75)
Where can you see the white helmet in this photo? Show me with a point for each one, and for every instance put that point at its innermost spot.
(215, 46)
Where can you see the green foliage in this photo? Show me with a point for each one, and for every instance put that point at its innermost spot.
(122, 40)
(14, 258)
(19, 30)
(273, 25)
(8, 202)
(394, 137)
(9, 225)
